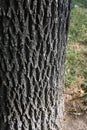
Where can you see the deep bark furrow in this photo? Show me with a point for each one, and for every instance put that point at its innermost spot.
(32, 55)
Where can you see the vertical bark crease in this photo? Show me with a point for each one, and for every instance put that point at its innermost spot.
(33, 37)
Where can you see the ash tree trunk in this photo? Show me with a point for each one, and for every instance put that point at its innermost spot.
(33, 37)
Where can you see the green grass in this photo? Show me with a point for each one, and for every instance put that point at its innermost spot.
(80, 3)
(78, 26)
(76, 64)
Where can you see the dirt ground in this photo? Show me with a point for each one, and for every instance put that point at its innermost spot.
(75, 108)
(75, 122)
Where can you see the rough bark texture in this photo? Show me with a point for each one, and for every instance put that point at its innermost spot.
(33, 36)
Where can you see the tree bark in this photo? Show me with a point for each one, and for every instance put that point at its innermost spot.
(33, 39)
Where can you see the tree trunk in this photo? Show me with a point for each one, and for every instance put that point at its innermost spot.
(33, 37)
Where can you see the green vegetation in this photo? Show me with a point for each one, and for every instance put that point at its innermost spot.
(76, 64)
(80, 3)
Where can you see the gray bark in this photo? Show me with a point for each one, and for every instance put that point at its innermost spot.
(33, 39)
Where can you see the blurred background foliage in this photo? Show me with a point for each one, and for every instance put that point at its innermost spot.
(76, 63)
